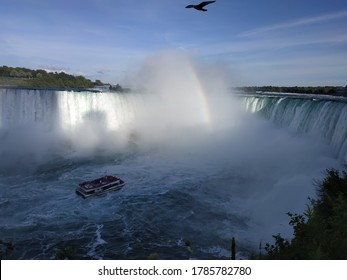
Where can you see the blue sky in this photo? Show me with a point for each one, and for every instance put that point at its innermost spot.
(262, 42)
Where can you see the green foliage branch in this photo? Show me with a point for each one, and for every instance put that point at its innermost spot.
(321, 231)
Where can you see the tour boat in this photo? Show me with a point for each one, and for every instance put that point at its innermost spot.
(99, 186)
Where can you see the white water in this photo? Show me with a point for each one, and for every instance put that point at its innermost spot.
(322, 119)
(188, 182)
(203, 173)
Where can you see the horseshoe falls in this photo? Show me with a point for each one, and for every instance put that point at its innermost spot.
(199, 166)
(323, 119)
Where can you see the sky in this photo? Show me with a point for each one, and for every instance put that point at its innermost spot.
(261, 42)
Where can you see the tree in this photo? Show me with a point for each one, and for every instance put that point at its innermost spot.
(14, 73)
(321, 232)
(42, 78)
(98, 83)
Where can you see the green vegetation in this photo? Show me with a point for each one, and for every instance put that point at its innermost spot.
(327, 90)
(23, 77)
(118, 88)
(321, 232)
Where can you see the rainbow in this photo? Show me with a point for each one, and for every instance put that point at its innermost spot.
(202, 98)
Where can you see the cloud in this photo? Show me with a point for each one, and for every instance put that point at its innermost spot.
(103, 71)
(60, 54)
(295, 23)
(254, 47)
(54, 68)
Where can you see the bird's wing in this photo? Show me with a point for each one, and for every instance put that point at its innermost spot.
(202, 4)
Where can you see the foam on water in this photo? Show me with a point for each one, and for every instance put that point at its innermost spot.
(220, 174)
(95, 243)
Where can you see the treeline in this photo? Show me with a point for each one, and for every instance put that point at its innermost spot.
(41, 78)
(321, 232)
(327, 90)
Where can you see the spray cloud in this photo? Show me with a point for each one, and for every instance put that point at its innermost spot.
(186, 111)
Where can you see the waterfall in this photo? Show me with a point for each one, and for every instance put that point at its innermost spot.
(77, 113)
(63, 109)
(324, 119)
(36, 125)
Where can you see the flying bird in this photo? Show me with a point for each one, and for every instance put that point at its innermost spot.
(200, 7)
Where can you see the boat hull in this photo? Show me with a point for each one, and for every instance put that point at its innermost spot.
(99, 186)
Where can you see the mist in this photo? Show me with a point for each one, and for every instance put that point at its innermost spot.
(275, 169)
(182, 114)
(180, 94)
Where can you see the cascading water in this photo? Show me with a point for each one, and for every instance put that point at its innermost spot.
(64, 110)
(196, 167)
(36, 123)
(325, 120)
